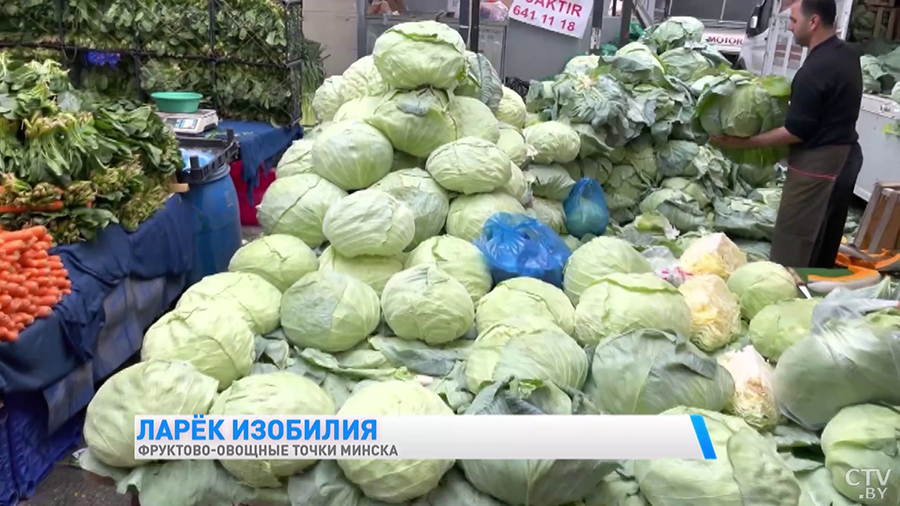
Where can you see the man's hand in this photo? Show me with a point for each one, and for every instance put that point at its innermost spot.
(733, 142)
(776, 137)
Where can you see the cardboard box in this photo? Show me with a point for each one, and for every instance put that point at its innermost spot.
(880, 227)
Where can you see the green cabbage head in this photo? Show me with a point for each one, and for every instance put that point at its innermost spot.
(468, 213)
(528, 296)
(328, 99)
(372, 270)
(156, 387)
(848, 361)
(427, 304)
(526, 348)
(352, 155)
(428, 201)
(394, 481)
(369, 222)
(598, 258)
(423, 53)
(359, 109)
(686, 64)
(743, 106)
(512, 109)
(416, 122)
(747, 470)
(864, 437)
(251, 296)
(329, 311)
(654, 371)
(761, 284)
(517, 186)
(779, 326)
(280, 259)
(296, 206)
(296, 160)
(362, 79)
(550, 181)
(275, 394)
(550, 213)
(676, 31)
(217, 341)
(460, 259)
(682, 211)
(469, 165)
(620, 303)
(553, 142)
(532, 482)
(474, 119)
(513, 144)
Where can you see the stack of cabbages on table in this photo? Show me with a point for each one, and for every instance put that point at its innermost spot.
(367, 297)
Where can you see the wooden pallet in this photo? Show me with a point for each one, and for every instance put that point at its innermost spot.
(882, 3)
(880, 228)
(887, 22)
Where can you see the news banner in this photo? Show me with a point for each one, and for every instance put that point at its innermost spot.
(607, 437)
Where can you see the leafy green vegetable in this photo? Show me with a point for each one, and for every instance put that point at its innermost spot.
(660, 371)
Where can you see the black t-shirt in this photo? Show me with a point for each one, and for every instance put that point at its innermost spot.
(825, 96)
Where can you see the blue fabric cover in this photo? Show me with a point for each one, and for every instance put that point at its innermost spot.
(53, 347)
(260, 144)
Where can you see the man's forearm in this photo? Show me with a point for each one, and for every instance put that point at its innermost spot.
(777, 137)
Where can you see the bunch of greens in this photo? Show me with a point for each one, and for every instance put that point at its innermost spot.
(31, 21)
(73, 164)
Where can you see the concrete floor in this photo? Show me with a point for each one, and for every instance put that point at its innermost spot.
(67, 485)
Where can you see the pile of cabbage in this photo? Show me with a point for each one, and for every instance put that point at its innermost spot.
(367, 289)
(645, 115)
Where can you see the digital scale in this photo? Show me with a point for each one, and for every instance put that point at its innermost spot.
(191, 123)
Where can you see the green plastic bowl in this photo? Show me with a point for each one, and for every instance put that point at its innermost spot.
(177, 101)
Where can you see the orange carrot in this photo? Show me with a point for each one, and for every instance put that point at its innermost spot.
(11, 245)
(43, 311)
(47, 300)
(55, 206)
(24, 234)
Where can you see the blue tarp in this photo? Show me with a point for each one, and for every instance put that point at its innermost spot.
(260, 144)
(53, 347)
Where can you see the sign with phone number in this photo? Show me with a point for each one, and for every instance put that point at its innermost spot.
(568, 17)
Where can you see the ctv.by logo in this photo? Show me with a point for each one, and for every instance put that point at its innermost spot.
(873, 484)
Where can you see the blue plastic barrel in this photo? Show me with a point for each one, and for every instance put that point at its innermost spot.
(217, 224)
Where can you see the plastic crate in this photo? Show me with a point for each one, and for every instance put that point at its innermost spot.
(9, 494)
(34, 451)
(227, 150)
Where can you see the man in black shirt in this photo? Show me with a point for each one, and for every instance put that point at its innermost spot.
(820, 129)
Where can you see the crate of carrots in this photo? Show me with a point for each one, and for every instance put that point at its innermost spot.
(31, 280)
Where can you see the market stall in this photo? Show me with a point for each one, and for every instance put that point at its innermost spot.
(95, 247)
(441, 245)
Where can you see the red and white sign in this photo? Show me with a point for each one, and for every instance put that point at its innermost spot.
(568, 17)
(728, 42)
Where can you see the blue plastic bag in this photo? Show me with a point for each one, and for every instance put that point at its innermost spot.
(586, 211)
(517, 245)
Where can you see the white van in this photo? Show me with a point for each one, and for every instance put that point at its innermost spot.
(769, 48)
(725, 21)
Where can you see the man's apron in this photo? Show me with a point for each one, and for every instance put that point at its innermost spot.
(804, 203)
